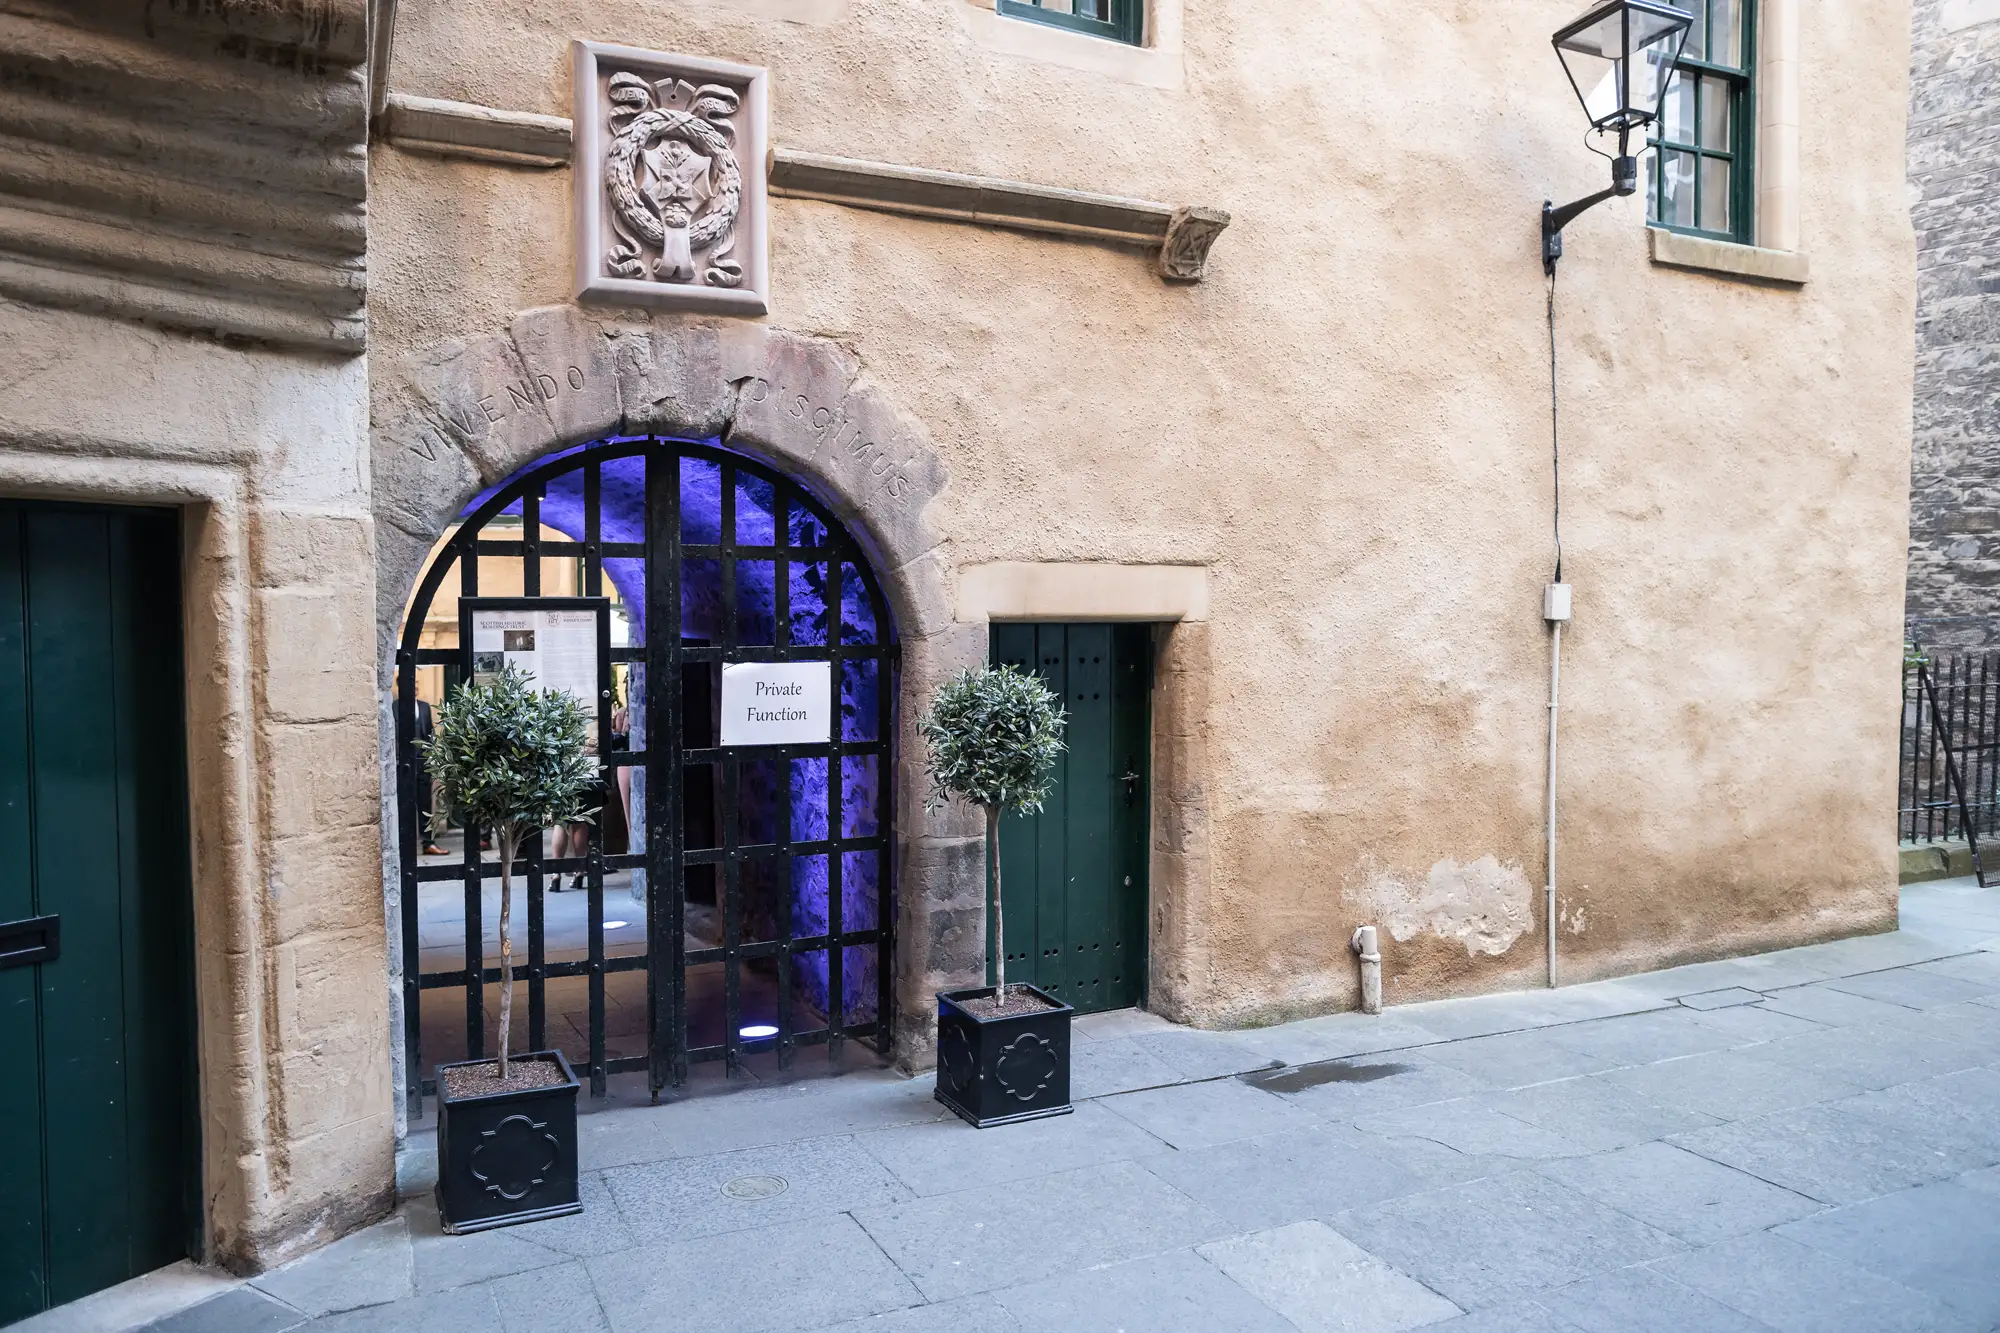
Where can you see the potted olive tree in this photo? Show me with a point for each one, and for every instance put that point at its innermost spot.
(512, 760)
(1003, 1050)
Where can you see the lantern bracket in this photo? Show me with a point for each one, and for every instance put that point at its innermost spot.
(1624, 181)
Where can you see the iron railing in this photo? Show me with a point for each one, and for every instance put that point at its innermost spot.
(1950, 754)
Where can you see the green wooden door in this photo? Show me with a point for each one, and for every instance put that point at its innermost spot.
(1073, 878)
(98, 1182)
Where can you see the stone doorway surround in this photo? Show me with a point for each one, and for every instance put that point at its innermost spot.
(465, 414)
(1174, 600)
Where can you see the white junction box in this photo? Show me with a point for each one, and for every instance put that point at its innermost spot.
(1555, 602)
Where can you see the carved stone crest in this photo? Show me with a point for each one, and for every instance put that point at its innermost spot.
(669, 179)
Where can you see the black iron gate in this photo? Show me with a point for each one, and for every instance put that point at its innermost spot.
(766, 871)
(1950, 749)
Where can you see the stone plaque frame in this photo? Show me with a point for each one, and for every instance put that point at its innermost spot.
(676, 111)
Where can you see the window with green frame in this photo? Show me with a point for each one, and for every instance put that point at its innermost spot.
(1120, 20)
(1699, 172)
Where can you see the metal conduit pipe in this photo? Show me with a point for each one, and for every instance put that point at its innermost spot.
(1555, 610)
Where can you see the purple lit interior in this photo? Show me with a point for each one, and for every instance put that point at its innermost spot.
(622, 519)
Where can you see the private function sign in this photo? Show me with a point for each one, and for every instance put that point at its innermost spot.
(777, 703)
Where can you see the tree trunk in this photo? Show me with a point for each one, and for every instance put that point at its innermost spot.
(504, 839)
(999, 926)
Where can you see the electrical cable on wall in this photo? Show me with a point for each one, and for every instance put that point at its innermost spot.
(1556, 611)
(1555, 440)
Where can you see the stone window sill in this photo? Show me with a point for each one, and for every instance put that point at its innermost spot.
(1784, 268)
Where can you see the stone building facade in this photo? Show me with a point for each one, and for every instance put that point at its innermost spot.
(1955, 472)
(1237, 332)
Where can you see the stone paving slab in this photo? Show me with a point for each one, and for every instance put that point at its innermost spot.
(1910, 987)
(1502, 1238)
(1689, 1197)
(1751, 1025)
(1637, 1039)
(1178, 1289)
(752, 1188)
(1113, 1065)
(1823, 1154)
(755, 1117)
(1982, 969)
(1593, 1115)
(1807, 1140)
(1485, 1015)
(1515, 1317)
(1942, 1240)
(1731, 1085)
(1517, 1059)
(368, 1268)
(1795, 1289)
(550, 1300)
(244, 1310)
(1472, 1127)
(1288, 1177)
(1343, 1089)
(1826, 1003)
(945, 1156)
(1336, 1037)
(1322, 1282)
(970, 1314)
(1004, 1235)
(1639, 1300)
(1872, 1056)
(795, 1275)
(1197, 1115)
(1727, 997)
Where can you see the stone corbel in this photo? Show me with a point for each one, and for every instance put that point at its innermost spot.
(1180, 237)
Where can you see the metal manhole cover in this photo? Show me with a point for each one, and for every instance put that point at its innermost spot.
(755, 1187)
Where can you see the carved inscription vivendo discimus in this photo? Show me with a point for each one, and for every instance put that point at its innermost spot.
(669, 180)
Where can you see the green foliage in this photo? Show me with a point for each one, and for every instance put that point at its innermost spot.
(512, 758)
(1913, 655)
(993, 735)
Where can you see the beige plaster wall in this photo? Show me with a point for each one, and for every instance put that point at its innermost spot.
(264, 452)
(1347, 425)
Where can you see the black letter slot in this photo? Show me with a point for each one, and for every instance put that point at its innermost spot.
(35, 940)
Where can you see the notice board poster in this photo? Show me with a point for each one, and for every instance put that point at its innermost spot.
(557, 646)
(777, 703)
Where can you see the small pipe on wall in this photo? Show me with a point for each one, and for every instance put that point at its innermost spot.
(1366, 948)
(1555, 610)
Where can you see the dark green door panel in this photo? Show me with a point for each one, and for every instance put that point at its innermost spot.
(76, 861)
(1074, 876)
(23, 1274)
(92, 830)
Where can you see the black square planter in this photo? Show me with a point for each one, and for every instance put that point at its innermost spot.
(994, 1071)
(507, 1157)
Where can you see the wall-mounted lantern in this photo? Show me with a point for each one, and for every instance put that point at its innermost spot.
(1619, 56)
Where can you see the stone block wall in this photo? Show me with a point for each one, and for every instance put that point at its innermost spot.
(182, 271)
(1954, 160)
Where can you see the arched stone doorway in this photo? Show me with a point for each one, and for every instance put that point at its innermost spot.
(462, 418)
(758, 877)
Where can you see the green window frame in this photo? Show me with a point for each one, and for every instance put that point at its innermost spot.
(1118, 20)
(1699, 173)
